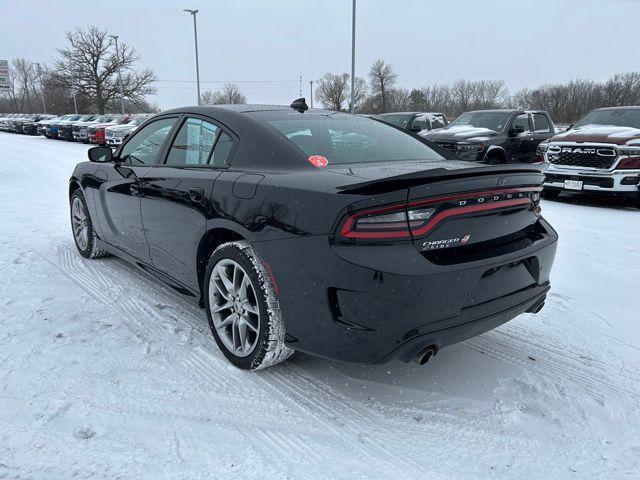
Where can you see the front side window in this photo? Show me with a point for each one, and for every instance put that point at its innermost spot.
(541, 123)
(344, 139)
(521, 121)
(145, 145)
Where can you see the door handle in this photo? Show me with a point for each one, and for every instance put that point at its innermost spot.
(196, 194)
(135, 189)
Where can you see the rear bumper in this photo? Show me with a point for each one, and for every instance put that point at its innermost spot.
(611, 181)
(338, 309)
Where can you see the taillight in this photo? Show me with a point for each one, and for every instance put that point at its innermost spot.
(631, 163)
(377, 224)
(416, 219)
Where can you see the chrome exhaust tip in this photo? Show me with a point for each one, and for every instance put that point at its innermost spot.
(424, 355)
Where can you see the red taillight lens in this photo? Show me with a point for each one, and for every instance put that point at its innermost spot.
(631, 163)
(377, 224)
(395, 223)
(406, 221)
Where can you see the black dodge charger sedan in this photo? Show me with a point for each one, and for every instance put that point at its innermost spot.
(317, 231)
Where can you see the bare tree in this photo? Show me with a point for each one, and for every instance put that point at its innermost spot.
(90, 65)
(332, 90)
(359, 94)
(382, 79)
(229, 95)
(24, 95)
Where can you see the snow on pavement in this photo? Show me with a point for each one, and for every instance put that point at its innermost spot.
(106, 373)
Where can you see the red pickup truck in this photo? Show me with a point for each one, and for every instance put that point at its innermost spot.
(600, 153)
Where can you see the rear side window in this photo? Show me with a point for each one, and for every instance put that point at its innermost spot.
(193, 144)
(145, 145)
(541, 123)
(346, 139)
(221, 152)
(199, 142)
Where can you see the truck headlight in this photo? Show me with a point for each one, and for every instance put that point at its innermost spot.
(470, 147)
(629, 151)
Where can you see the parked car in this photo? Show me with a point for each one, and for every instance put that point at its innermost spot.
(81, 129)
(364, 250)
(4, 118)
(43, 125)
(495, 136)
(15, 124)
(414, 121)
(65, 129)
(6, 123)
(96, 131)
(52, 129)
(31, 128)
(600, 153)
(116, 134)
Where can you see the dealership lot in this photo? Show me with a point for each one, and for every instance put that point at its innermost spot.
(107, 372)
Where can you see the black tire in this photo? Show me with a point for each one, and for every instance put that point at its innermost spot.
(551, 194)
(91, 249)
(494, 159)
(270, 348)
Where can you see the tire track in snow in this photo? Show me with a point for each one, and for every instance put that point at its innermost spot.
(105, 280)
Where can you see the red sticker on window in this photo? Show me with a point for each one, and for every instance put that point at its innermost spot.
(318, 161)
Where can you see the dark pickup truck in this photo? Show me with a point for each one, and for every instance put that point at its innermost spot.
(414, 121)
(495, 136)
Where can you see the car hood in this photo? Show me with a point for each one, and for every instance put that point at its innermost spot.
(600, 134)
(121, 128)
(84, 124)
(458, 133)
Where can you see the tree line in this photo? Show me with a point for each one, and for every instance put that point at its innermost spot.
(89, 75)
(566, 102)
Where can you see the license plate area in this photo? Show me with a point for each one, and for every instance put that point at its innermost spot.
(573, 184)
(504, 280)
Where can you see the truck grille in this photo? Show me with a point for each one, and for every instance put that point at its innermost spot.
(582, 156)
(447, 146)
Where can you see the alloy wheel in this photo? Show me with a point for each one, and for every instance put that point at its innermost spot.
(234, 307)
(80, 223)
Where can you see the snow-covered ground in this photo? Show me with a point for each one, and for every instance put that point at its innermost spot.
(105, 373)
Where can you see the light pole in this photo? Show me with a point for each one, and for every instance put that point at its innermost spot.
(353, 58)
(75, 103)
(195, 35)
(115, 37)
(44, 107)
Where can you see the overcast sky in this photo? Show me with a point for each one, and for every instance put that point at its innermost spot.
(265, 46)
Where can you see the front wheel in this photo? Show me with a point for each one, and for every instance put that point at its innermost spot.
(242, 308)
(82, 227)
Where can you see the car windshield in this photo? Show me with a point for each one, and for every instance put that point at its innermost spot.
(343, 138)
(619, 117)
(491, 120)
(395, 119)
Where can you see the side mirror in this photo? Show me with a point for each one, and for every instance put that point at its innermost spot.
(516, 130)
(100, 154)
(416, 128)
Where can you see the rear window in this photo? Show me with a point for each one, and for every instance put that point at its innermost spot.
(343, 138)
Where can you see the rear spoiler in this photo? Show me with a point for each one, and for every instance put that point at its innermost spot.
(407, 180)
